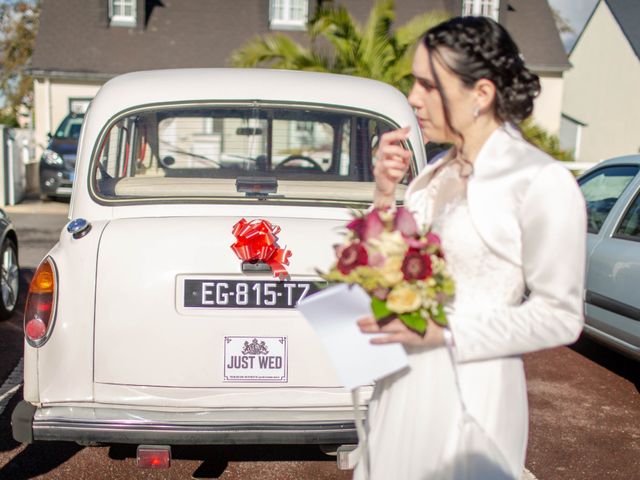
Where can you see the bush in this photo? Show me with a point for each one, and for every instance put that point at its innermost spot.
(545, 141)
(8, 119)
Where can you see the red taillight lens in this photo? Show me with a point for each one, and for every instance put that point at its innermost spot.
(40, 302)
(154, 456)
(35, 329)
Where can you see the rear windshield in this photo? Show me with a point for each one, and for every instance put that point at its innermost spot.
(240, 153)
(70, 126)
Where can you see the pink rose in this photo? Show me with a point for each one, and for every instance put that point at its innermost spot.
(416, 266)
(352, 256)
(405, 223)
(367, 226)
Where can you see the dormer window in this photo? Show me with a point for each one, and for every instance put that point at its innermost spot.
(288, 14)
(122, 13)
(481, 8)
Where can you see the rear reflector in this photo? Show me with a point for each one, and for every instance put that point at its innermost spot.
(153, 456)
(35, 329)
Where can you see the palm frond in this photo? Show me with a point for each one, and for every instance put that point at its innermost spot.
(338, 27)
(409, 33)
(275, 51)
(376, 49)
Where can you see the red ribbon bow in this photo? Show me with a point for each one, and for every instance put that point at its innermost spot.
(256, 240)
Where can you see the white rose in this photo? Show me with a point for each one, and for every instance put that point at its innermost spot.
(404, 298)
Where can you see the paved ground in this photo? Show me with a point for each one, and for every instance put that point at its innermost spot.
(38, 225)
(34, 206)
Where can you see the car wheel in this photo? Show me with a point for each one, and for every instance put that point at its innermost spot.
(9, 278)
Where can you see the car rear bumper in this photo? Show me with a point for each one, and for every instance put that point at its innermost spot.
(111, 425)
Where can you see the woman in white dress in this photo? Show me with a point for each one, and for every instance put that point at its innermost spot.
(512, 224)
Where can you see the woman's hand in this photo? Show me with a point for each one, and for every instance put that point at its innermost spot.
(392, 163)
(398, 332)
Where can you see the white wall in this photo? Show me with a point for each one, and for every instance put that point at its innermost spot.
(51, 101)
(601, 89)
(547, 107)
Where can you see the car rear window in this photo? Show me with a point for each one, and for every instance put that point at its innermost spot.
(240, 152)
(70, 127)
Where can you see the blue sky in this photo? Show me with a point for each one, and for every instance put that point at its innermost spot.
(576, 12)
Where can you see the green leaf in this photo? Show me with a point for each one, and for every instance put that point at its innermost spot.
(441, 317)
(379, 308)
(415, 321)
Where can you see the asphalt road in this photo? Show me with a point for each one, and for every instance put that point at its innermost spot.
(584, 404)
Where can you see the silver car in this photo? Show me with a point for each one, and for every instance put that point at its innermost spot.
(612, 303)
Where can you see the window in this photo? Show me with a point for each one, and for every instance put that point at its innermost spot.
(212, 126)
(629, 228)
(288, 14)
(122, 13)
(601, 190)
(70, 126)
(311, 154)
(485, 8)
(79, 105)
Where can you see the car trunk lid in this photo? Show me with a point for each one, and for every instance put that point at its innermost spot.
(161, 317)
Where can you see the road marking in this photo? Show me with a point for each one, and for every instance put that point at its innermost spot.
(527, 475)
(11, 385)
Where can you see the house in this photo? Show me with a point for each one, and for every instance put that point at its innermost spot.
(601, 105)
(83, 43)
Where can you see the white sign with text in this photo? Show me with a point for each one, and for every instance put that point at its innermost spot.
(255, 359)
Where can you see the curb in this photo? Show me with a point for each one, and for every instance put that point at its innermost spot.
(38, 207)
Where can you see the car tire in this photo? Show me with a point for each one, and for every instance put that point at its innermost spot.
(9, 278)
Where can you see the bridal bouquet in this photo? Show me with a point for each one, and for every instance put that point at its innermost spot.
(402, 268)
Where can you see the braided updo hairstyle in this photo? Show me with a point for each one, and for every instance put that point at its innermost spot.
(478, 47)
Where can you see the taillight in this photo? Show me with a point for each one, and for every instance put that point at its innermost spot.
(40, 309)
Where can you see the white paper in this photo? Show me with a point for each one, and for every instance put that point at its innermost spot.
(333, 313)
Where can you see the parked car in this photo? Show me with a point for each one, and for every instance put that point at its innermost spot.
(58, 161)
(205, 201)
(9, 268)
(612, 303)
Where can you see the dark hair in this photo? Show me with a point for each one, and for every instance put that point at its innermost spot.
(478, 47)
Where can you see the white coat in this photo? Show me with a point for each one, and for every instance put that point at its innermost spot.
(529, 210)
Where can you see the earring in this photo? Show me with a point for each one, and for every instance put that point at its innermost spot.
(476, 112)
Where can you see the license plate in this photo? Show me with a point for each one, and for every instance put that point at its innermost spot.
(255, 359)
(202, 293)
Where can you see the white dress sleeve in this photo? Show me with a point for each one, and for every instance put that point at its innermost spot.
(552, 220)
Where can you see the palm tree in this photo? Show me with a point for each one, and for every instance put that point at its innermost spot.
(375, 50)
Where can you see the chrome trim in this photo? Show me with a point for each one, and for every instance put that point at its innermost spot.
(222, 433)
(619, 345)
(191, 426)
(78, 227)
(612, 305)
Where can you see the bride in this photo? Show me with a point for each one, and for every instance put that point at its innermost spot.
(513, 228)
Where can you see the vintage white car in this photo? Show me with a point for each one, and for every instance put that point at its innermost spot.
(205, 202)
